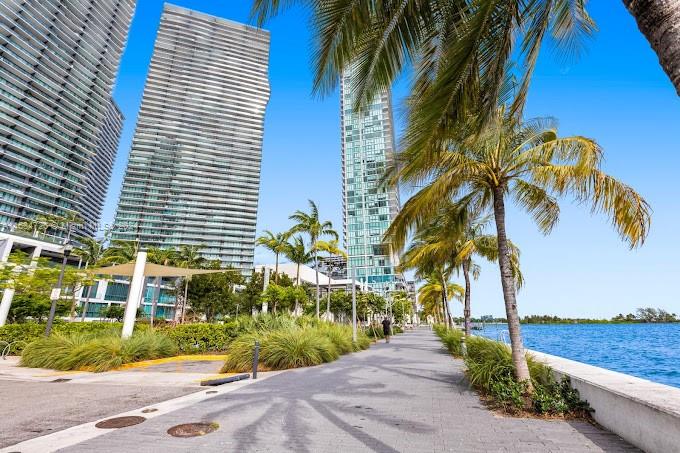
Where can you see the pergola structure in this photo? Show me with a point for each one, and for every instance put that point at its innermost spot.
(139, 270)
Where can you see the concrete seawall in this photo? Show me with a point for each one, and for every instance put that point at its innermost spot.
(644, 413)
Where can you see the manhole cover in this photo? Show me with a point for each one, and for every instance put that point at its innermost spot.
(61, 380)
(193, 429)
(151, 409)
(120, 422)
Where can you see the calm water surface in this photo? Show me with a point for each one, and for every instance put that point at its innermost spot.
(649, 351)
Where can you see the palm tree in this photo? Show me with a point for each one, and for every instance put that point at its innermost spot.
(310, 224)
(189, 257)
(453, 236)
(91, 251)
(164, 257)
(120, 252)
(275, 243)
(658, 20)
(331, 247)
(460, 50)
(434, 295)
(529, 163)
(297, 253)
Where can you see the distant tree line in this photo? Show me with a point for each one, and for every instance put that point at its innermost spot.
(641, 315)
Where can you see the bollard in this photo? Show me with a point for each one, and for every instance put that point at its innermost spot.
(256, 358)
(463, 349)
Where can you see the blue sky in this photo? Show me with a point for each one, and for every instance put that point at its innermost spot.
(615, 93)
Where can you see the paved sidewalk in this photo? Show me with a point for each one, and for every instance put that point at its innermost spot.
(408, 396)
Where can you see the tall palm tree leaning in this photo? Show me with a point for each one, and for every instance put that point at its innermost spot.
(275, 243)
(331, 247)
(91, 251)
(460, 50)
(297, 253)
(310, 224)
(527, 162)
(658, 20)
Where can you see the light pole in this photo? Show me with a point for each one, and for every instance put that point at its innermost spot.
(56, 292)
(354, 303)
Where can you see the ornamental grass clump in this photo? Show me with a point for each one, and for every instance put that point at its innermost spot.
(297, 348)
(490, 369)
(452, 339)
(293, 347)
(95, 352)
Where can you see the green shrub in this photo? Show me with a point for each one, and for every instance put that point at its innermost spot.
(490, 369)
(339, 335)
(95, 351)
(374, 331)
(453, 340)
(240, 353)
(292, 347)
(397, 329)
(363, 341)
(28, 332)
(202, 337)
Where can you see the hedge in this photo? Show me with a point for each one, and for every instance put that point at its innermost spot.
(22, 334)
(202, 337)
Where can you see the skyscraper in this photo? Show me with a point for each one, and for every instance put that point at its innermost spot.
(193, 175)
(58, 64)
(99, 172)
(367, 148)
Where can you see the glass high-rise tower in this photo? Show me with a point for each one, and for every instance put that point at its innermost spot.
(193, 174)
(58, 64)
(367, 148)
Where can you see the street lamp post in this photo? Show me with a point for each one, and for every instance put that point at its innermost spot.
(354, 304)
(56, 292)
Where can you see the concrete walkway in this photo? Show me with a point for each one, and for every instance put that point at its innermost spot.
(408, 396)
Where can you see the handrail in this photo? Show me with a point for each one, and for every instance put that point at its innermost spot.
(8, 347)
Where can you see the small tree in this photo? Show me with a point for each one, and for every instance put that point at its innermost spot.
(212, 295)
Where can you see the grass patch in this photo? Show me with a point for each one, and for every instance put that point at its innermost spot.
(490, 370)
(452, 339)
(293, 346)
(95, 352)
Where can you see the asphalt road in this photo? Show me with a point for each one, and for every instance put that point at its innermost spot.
(31, 409)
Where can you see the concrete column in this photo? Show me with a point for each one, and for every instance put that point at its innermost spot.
(34, 256)
(136, 286)
(7, 296)
(5, 249)
(8, 293)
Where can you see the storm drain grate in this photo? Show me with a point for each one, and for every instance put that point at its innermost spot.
(60, 380)
(151, 409)
(120, 422)
(193, 429)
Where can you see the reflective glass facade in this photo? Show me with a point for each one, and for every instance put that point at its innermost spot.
(58, 64)
(367, 147)
(193, 174)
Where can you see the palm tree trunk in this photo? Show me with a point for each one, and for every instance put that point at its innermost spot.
(87, 302)
(154, 302)
(184, 303)
(659, 21)
(328, 299)
(519, 359)
(276, 270)
(318, 290)
(466, 308)
(297, 280)
(447, 312)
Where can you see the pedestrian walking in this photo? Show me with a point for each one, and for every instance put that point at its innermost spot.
(387, 328)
